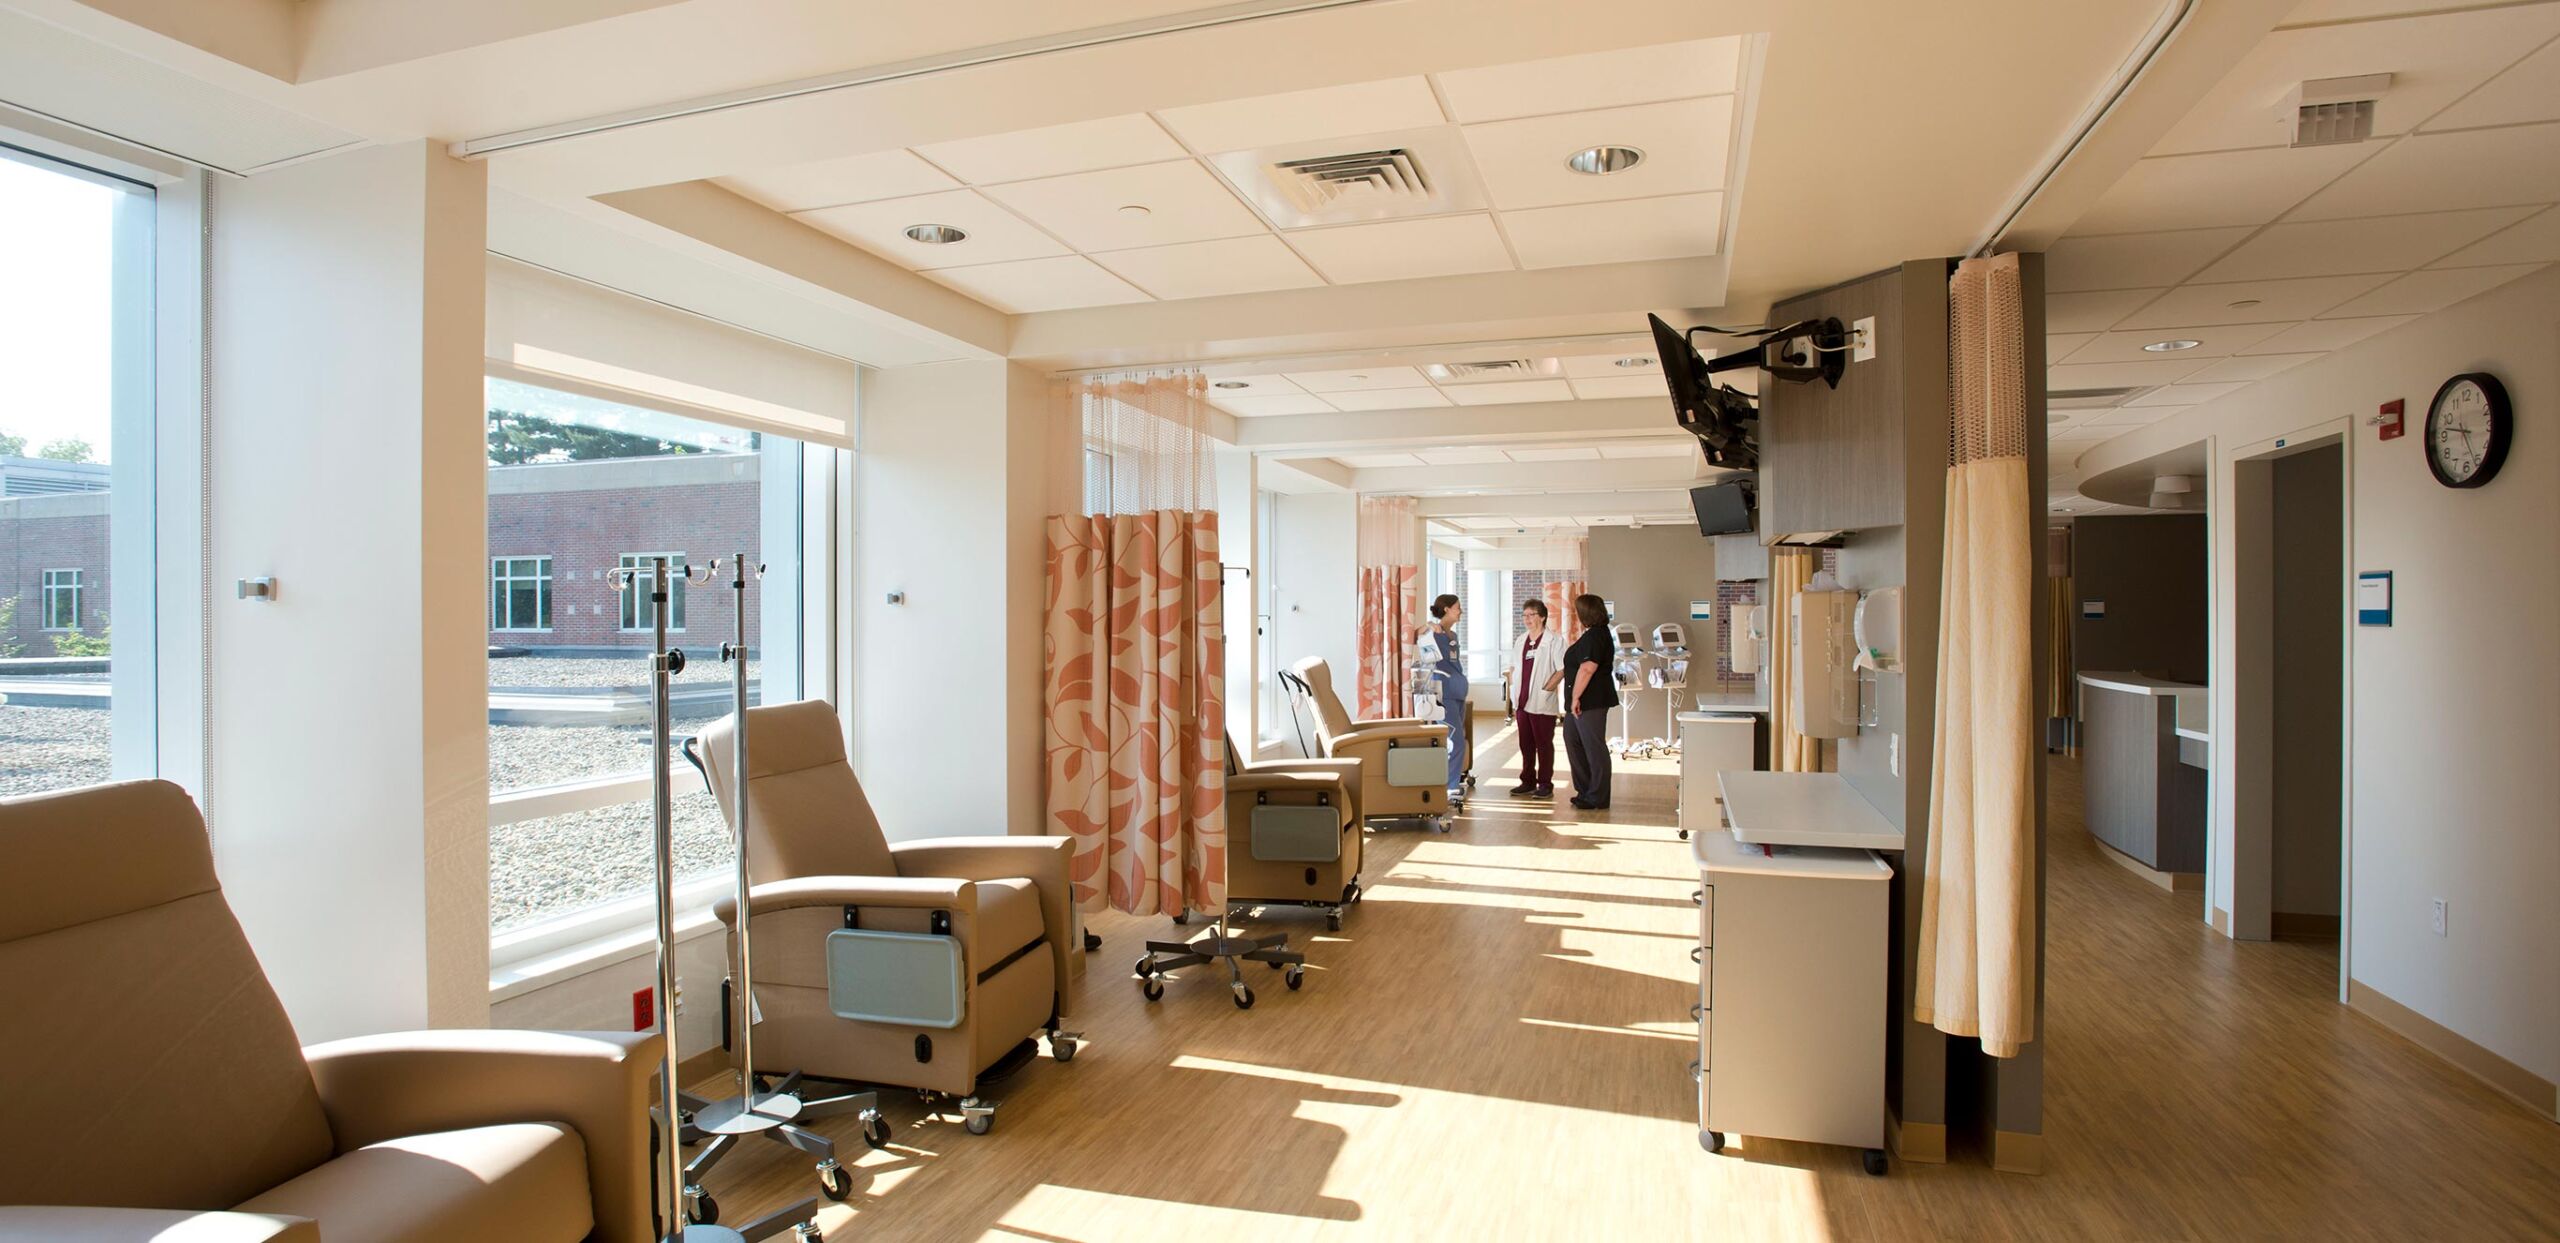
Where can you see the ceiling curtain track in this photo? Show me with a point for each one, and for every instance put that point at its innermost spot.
(1143, 442)
(1977, 948)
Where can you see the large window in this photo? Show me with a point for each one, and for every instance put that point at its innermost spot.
(76, 478)
(520, 593)
(595, 486)
(639, 594)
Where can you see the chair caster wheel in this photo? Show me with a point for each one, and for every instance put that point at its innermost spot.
(1092, 941)
(1351, 893)
(1062, 1048)
(1146, 968)
(1151, 990)
(1295, 977)
(979, 1126)
(1684, 835)
(1873, 1159)
(700, 1209)
(875, 1129)
(1181, 918)
(1333, 921)
(1244, 997)
(1712, 1141)
(977, 1116)
(835, 1180)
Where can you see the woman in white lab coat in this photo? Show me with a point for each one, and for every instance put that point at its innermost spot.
(1536, 667)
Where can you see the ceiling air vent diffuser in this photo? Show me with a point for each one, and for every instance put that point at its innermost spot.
(2330, 111)
(1346, 180)
(1493, 370)
(2094, 398)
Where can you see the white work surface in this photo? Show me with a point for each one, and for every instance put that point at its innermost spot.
(1726, 703)
(1800, 809)
(2138, 684)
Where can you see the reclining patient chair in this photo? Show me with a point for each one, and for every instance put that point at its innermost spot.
(1404, 761)
(917, 965)
(1280, 852)
(156, 1084)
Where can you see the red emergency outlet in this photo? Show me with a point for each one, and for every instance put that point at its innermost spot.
(2394, 419)
(644, 1009)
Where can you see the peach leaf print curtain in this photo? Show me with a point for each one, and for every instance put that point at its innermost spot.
(1388, 607)
(1977, 967)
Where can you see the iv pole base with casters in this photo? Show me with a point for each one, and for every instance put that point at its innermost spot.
(1220, 944)
(668, 1174)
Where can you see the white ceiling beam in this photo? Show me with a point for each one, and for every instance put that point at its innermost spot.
(1303, 475)
(1553, 505)
(1607, 474)
(1526, 423)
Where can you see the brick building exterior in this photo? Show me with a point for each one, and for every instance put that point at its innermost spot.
(575, 520)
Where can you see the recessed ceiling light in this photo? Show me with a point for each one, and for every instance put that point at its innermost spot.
(1135, 209)
(936, 234)
(1602, 161)
(2171, 347)
(1232, 384)
(1359, 377)
(1635, 362)
(2244, 302)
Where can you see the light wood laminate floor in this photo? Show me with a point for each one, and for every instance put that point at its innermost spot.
(1494, 1048)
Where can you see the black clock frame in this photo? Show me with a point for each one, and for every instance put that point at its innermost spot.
(2501, 429)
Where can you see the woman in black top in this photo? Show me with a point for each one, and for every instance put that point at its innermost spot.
(1589, 692)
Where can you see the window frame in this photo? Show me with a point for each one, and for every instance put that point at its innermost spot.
(48, 589)
(501, 583)
(629, 603)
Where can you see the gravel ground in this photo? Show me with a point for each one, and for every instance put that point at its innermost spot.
(542, 868)
(629, 671)
(51, 748)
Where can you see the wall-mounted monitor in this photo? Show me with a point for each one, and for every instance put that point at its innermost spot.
(1727, 506)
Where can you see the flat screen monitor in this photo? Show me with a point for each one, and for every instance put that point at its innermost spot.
(1726, 507)
(1725, 422)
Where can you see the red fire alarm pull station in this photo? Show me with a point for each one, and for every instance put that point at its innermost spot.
(2393, 420)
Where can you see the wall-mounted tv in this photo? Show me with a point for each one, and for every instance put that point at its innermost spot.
(1727, 506)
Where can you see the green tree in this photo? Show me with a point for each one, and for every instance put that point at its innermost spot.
(516, 438)
(8, 626)
(71, 450)
(76, 644)
(12, 446)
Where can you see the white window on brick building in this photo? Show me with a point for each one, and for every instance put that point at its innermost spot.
(637, 608)
(62, 599)
(520, 593)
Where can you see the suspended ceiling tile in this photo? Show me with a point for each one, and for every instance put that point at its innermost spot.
(2244, 302)
(853, 179)
(1509, 394)
(2120, 375)
(1684, 144)
(2133, 260)
(2321, 336)
(1594, 388)
(1032, 285)
(2059, 347)
(995, 235)
(2211, 342)
(1305, 116)
(1594, 80)
(2374, 244)
(2536, 240)
(2185, 394)
(1397, 250)
(1209, 269)
(2092, 312)
(2251, 367)
(1128, 208)
(1051, 150)
(1423, 398)
(1358, 379)
(1250, 385)
(1580, 365)
(2216, 189)
(1677, 227)
(2433, 61)
(2444, 172)
(1556, 453)
(2423, 293)
(1278, 403)
(2528, 92)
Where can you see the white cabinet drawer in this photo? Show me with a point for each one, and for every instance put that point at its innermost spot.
(1706, 914)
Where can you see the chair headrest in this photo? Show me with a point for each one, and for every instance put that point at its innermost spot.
(79, 856)
(1331, 717)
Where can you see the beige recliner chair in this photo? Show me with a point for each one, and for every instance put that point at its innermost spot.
(1404, 761)
(155, 1082)
(982, 946)
(1279, 853)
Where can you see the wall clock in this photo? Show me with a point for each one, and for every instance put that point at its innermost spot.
(2468, 426)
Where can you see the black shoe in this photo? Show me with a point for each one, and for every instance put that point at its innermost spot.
(1576, 800)
(1523, 791)
(1543, 792)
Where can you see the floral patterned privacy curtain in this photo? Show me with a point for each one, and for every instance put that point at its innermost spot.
(1133, 693)
(1977, 950)
(1389, 612)
(1573, 558)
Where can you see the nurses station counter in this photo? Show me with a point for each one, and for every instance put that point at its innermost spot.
(1727, 732)
(2143, 746)
(1793, 950)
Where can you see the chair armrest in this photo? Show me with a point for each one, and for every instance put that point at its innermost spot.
(1336, 785)
(1392, 722)
(1390, 734)
(1346, 770)
(905, 892)
(34, 1222)
(1047, 862)
(414, 1083)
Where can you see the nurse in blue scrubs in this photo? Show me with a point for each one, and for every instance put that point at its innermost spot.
(1449, 666)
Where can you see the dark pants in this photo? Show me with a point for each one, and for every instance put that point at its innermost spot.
(1586, 748)
(1537, 748)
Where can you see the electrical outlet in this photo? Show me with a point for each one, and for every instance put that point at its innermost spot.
(2438, 918)
(644, 1009)
(1863, 335)
(676, 1003)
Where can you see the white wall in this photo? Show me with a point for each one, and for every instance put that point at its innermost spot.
(949, 509)
(349, 777)
(2454, 747)
(1315, 581)
(1236, 517)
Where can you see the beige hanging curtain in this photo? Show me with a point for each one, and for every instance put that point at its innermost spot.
(2061, 681)
(1789, 570)
(1133, 692)
(1977, 970)
(1388, 609)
